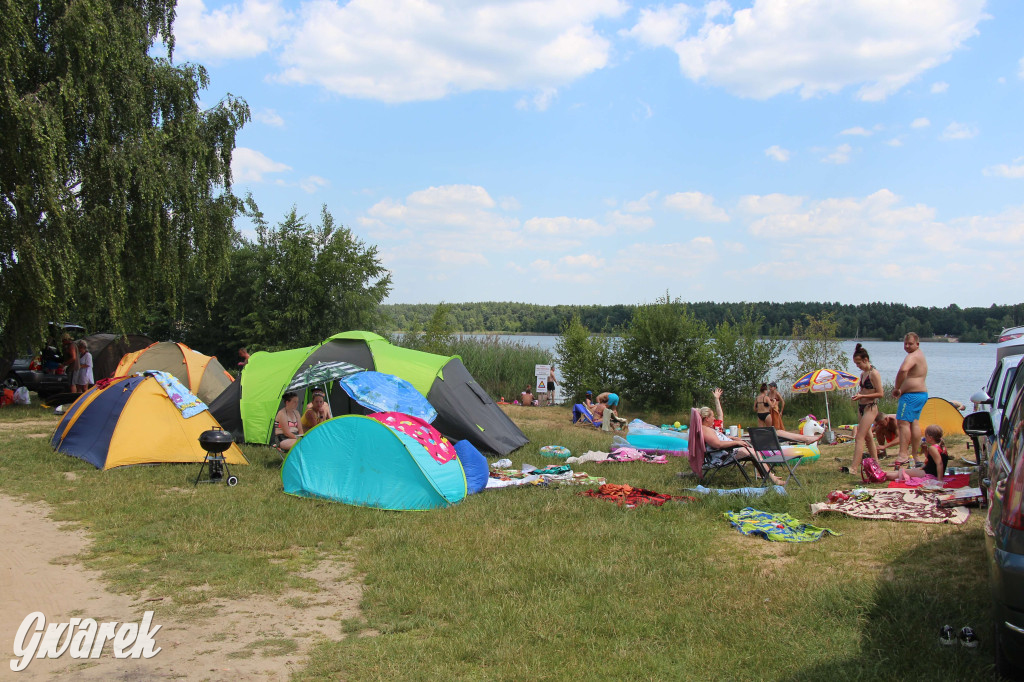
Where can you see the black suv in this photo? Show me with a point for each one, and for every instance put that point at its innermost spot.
(41, 376)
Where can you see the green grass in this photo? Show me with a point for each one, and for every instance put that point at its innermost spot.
(541, 583)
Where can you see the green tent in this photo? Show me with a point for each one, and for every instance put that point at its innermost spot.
(464, 409)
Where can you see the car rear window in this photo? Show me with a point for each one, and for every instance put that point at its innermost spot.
(1011, 374)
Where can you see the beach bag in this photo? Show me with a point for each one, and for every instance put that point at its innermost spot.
(870, 471)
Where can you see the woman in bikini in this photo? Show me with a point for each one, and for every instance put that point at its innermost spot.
(867, 406)
(763, 406)
(288, 424)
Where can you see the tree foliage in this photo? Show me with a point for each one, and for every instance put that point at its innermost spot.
(816, 346)
(743, 360)
(666, 357)
(114, 184)
(587, 361)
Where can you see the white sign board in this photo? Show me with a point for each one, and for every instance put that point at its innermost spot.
(541, 372)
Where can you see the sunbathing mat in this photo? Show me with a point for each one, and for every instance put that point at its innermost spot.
(951, 481)
(775, 527)
(884, 504)
(630, 497)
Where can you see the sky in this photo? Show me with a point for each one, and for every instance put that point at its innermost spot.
(603, 151)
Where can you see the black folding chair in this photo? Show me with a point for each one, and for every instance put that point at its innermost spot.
(711, 462)
(766, 442)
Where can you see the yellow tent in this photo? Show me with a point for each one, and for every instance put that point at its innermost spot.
(132, 420)
(940, 411)
(201, 374)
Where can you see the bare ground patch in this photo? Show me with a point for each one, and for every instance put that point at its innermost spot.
(259, 637)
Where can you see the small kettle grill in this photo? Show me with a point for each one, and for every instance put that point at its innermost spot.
(215, 441)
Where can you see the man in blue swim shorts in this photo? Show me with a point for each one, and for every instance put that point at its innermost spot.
(910, 388)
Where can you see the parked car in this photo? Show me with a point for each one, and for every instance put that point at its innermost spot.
(1003, 481)
(993, 397)
(37, 372)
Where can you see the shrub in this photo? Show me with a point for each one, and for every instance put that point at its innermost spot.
(743, 360)
(586, 361)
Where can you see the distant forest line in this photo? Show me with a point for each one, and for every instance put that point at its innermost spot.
(886, 321)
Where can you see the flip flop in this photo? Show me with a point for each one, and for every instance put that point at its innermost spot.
(844, 470)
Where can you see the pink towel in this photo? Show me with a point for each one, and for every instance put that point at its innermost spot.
(696, 443)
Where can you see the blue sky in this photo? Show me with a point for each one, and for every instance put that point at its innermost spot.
(601, 151)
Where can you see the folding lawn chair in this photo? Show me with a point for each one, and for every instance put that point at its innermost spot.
(766, 442)
(707, 463)
(581, 415)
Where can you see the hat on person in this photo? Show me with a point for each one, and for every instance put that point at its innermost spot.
(589, 393)
(773, 384)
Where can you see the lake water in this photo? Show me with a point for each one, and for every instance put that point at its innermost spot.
(955, 370)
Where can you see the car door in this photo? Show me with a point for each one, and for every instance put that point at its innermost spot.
(1003, 458)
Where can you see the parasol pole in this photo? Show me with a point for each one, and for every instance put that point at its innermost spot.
(827, 415)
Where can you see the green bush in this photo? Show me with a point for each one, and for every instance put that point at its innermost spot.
(587, 361)
(743, 360)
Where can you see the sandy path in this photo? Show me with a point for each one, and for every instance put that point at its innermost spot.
(38, 572)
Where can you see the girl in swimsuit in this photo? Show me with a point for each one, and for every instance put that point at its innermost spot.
(936, 458)
(763, 406)
(867, 406)
(288, 424)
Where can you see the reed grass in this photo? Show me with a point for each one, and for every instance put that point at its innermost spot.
(540, 583)
(503, 367)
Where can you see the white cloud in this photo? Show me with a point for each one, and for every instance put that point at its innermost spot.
(584, 260)
(939, 87)
(249, 165)
(813, 46)
(840, 154)
(895, 142)
(414, 50)
(959, 131)
(269, 117)
(312, 183)
(630, 221)
(920, 123)
(236, 30)
(698, 205)
(778, 153)
(1003, 170)
(769, 204)
(857, 130)
(1020, 70)
(540, 101)
(562, 226)
(642, 204)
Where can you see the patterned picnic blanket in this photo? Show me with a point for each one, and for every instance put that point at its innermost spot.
(630, 497)
(897, 504)
(775, 527)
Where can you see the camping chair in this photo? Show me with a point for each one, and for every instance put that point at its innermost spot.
(581, 415)
(706, 463)
(766, 442)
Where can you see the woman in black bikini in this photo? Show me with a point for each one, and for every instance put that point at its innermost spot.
(763, 406)
(867, 406)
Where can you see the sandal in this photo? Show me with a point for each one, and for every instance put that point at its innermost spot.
(844, 470)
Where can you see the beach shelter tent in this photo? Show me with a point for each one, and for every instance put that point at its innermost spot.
(465, 411)
(940, 411)
(360, 461)
(108, 349)
(201, 374)
(132, 420)
(475, 465)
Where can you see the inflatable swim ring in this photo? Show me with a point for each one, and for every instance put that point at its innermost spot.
(555, 451)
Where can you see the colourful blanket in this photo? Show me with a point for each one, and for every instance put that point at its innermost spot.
(951, 481)
(775, 527)
(883, 504)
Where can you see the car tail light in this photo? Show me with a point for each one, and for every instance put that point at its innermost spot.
(1013, 500)
(1010, 337)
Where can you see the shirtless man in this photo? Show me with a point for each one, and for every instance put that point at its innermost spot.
(910, 388)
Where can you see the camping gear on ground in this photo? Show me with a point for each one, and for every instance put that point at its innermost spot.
(381, 392)
(775, 527)
(631, 498)
(360, 461)
(215, 441)
(475, 466)
(202, 374)
(883, 504)
(942, 412)
(871, 471)
(581, 415)
(644, 436)
(766, 441)
(133, 420)
(823, 381)
(555, 451)
(464, 409)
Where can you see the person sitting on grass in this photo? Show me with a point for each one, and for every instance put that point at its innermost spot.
(288, 423)
(317, 412)
(717, 440)
(588, 400)
(526, 397)
(935, 461)
(605, 413)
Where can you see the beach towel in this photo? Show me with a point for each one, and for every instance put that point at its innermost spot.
(775, 527)
(746, 492)
(634, 455)
(630, 497)
(951, 481)
(884, 504)
(183, 399)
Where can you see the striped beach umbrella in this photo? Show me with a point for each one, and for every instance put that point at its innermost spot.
(823, 381)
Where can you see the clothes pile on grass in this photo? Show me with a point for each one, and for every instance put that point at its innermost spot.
(775, 527)
(620, 455)
(631, 498)
(552, 474)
